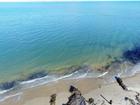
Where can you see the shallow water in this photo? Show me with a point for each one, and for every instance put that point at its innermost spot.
(51, 36)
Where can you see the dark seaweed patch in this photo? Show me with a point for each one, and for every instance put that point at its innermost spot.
(132, 55)
(12, 84)
(7, 85)
(37, 75)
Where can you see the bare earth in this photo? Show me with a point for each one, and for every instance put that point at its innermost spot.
(89, 88)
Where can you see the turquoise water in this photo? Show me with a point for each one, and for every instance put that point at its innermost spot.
(52, 36)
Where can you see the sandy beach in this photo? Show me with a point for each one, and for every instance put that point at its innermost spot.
(89, 87)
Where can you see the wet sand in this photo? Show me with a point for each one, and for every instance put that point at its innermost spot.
(89, 87)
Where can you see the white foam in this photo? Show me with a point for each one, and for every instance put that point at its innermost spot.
(82, 76)
(134, 89)
(10, 96)
(103, 74)
(31, 81)
(136, 68)
(42, 81)
(128, 71)
(48, 79)
(5, 91)
(66, 76)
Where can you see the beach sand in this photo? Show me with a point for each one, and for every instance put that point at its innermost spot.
(89, 87)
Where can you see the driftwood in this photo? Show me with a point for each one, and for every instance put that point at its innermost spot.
(120, 82)
(108, 101)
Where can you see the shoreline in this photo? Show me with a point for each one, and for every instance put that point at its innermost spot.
(58, 87)
(39, 79)
(90, 87)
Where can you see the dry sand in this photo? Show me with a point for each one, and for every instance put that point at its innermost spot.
(89, 88)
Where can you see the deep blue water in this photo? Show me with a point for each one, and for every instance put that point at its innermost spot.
(50, 36)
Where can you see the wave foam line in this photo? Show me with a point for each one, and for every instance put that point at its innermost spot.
(48, 79)
(133, 89)
(10, 96)
(103, 74)
(34, 80)
(5, 91)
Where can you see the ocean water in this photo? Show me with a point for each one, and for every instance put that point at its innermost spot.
(54, 36)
